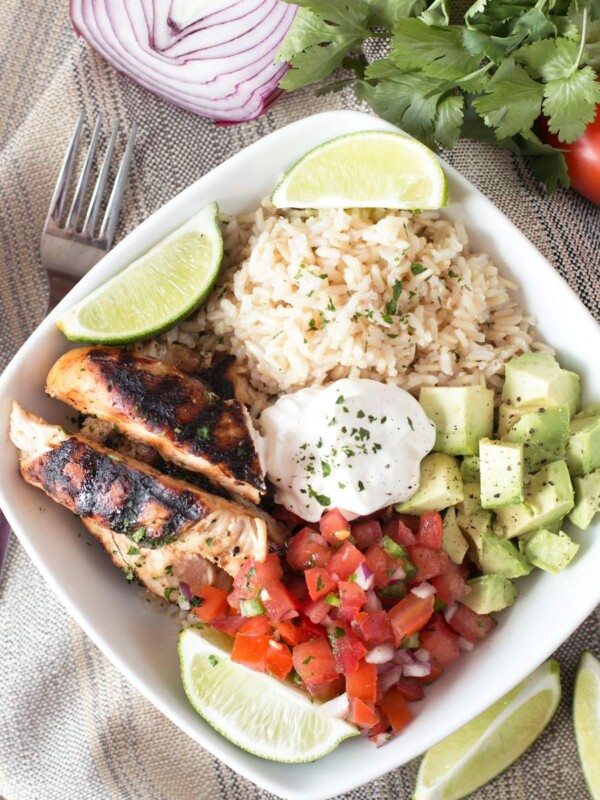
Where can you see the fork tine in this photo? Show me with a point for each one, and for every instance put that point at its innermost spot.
(111, 216)
(96, 199)
(84, 177)
(61, 189)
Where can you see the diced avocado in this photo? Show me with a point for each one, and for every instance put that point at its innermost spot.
(453, 542)
(548, 498)
(587, 499)
(499, 555)
(490, 593)
(583, 446)
(472, 519)
(440, 485)
(501, 469)
(537, 379)
(542, 431)
(550, 551)
(469, 469)
(462, 415)
(593, 410)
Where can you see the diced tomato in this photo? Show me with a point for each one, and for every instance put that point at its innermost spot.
(427, 562)
(255, 574)
(374, 629)
(307, 549)
(436, 672)
(284, 515)
(327, 691)
(279, 661)
(430, 530)
(316, 610)
(395, 709)
(310, 630)
(343, 563)
(347, 648)
(411, 522)
(409, 616)
(288, 632)
(410, 689)
(334, 527)
(229, 624)
(362, 683)
(319, 582)
(277, 601)
(399, 532)
(470, 625)
(256, 626)
(314, 662)
(251, 651)
(366, 532)
(363, 714)
(353, 599)
(297, 588)
(450, 586)
(440, 640)
(381, 565)
(213, 603)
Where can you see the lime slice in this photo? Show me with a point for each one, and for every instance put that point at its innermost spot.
(491, 742)
(154, 292)
(371, 169)
(256, 712)
(586, 715)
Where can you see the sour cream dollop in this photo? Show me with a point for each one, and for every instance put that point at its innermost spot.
(355, 445)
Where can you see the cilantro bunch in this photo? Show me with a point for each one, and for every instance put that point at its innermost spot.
(487, 77)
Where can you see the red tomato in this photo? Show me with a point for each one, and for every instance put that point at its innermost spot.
(254, 574)
(374, 628)
(316, 610)
(410, 521)
(430, 530)
(291, 634)
(314, 662)
(470, 625)
(363, 682)
(353, 599)
(440, 640)
(381, 564)
(319, 582)
(366, 533)
(410, 689)
(395, 708)
(343, 563)
(277, 601)
(213, 603)
(334, 527)
(363, 714)
(347, 648)
(251, 651)
(450, 586)
(327, 691)
(582, 157)
(310, 630)
(297, 588)
(307, 549)
(256, 626)
(279, 660)
(427, 562)
(399, 532)
(229, 624)
(409, 616)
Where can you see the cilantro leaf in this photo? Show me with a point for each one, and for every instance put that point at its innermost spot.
(317, 62)
(351, 17)
(307, 29)
(549, 59)
(512, 100)
(547, 164)
(384, 13)
(448, 124)
(436, 51)
(570, 103)
(438, 13)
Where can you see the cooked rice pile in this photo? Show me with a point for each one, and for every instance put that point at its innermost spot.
(309, 297)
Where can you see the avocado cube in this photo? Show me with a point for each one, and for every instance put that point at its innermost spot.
(472, 519)
(587, 499)
(501, 469)
(453, 542)
(593, 410)
(462, 416)
(469, 469)
(550, 551)
(543, 431)
(490, 593)
(583, 446)
(537, 379)
(440, 486)
(548, 498)
(501, 556)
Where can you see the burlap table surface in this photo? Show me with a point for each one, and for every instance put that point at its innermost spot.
(71, 728)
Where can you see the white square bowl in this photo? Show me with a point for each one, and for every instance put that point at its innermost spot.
(142, 643)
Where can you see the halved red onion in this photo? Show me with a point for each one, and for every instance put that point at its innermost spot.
(380, 654)
(339, 707)
(423, 590)
(364, 576)
(465, 644)
(215, 58)
(404, 657)
(373, 603)
(422, 655)
(418, 670)
(450, 611)
(390, 678)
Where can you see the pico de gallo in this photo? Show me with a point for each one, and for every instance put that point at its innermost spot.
(361, 615)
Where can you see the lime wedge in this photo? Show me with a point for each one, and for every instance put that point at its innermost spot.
(371, 169)
(154, 292)
(586, 716)
(491, 742)
(256, 712)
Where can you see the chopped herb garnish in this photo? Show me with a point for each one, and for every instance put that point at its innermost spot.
(319, 584)
(209, 541)
(312, 325)
(340, 400)
(169, 569)
(392, 305)
(321, 499)
(213, 660)
(361, 486)
(168, 592)
(325, 468)
(139, 534)
(360, 414)
(452, 274)
(338, 632)
(410, 423)
(196, 601)
(330, 306)
(308, 659)
(333, 600)
(417, 268)
(133, 550)
(342, 485)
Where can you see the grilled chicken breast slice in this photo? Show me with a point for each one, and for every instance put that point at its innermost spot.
(129, 505)
(163, 407)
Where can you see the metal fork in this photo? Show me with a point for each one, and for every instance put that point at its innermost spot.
(69, 250)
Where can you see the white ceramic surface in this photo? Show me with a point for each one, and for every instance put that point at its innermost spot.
(142, 643)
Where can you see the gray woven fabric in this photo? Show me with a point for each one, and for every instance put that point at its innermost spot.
(71, 728)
